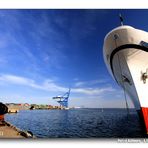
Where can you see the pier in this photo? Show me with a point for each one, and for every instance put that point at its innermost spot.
(7, 130)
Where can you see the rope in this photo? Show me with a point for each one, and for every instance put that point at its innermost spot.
(125, 97)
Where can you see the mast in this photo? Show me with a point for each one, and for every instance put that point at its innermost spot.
(121, 19)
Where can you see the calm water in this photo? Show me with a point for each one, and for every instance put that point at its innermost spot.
(78, 123)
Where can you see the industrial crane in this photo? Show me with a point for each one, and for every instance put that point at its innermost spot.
(63, 100)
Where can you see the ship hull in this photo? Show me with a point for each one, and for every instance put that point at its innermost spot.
(126, 57)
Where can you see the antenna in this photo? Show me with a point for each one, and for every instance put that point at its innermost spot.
(121, 19)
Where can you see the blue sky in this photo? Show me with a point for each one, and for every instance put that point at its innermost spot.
(44, 52)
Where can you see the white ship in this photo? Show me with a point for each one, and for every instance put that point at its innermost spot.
(126, 56)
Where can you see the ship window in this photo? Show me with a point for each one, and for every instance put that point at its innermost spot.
(145, 44)
(116, 36)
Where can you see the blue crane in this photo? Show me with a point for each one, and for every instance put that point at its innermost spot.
(63, 100)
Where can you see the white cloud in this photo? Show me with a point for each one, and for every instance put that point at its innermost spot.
(15, 79)
(93, 91)
(89, 83)
(77, 84)
(47, 85)
(96, 97)
(49, 52)
(51, 86)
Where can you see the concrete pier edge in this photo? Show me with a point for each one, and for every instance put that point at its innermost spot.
(24, 134)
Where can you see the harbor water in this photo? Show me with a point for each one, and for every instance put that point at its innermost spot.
(79, 123)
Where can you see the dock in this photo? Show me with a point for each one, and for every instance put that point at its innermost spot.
(7, 130)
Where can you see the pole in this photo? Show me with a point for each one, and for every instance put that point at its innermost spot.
(121, 19)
